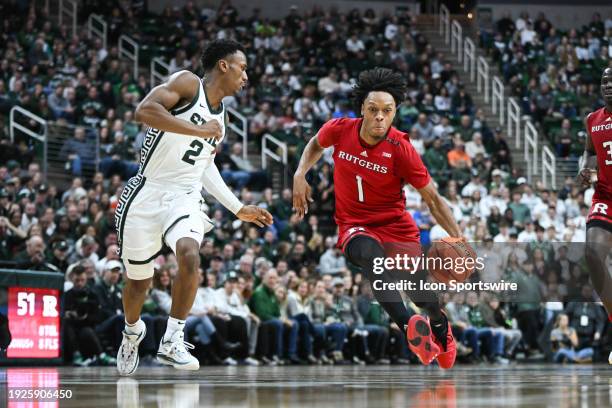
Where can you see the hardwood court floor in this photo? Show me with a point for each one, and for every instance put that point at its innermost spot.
(527, 385)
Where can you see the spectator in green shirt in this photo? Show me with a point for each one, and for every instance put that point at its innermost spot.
(520, 211)
(435, 160)
(466, 129)
(480, 330)
(563, 138)
(264, 304)
(527, 298)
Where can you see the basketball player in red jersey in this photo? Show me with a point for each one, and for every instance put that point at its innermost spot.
(598, 160)
(372, 163)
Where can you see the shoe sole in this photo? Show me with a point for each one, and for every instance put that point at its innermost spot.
(187, 366)
(144, 333)
(419, 332)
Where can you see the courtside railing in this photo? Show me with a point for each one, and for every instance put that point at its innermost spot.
(497, 98)
(514, 122)
(97, 28)
(272, 148)
(482, 81)
(19, 120)
(549, 168)
(68, 10)
(469, 58)
(531, 150)
(128, 48)
(242, 130)
(522, 130)
(456, 39)
(22, 121)
(444, 23)
(273, 152)
(160, 71)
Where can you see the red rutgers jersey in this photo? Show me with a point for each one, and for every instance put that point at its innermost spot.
(369, 180)
(600, 128)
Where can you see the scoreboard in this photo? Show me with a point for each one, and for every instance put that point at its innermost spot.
(32, 302)
(34, 322)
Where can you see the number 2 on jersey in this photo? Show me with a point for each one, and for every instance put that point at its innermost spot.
(197, 149)
(360, 189)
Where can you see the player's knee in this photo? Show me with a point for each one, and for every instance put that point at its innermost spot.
(363, 251)
(595, 254)
(188, 254)
(140, 285)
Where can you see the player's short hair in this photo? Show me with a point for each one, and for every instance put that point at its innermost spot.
(379, 80)
(219, 49)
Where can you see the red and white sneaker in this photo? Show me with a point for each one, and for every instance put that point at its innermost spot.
(421, 340)
(447, 356)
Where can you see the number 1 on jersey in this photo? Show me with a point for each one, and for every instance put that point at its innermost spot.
(360, 188)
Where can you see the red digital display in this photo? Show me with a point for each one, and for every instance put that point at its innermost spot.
(20, 381)
(34, 321)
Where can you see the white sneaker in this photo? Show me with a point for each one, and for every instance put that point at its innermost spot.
(127, 356)
(251, 361)
(174, 352)
(230, 362)
(610, 358)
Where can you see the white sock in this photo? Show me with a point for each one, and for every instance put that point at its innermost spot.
(135, 328)
(174, 325)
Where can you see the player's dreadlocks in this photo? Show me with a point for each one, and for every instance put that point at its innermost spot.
(379, 79)
(217, 50)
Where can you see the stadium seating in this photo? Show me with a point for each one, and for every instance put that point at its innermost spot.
(79, 86)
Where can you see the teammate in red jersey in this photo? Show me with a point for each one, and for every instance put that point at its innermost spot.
(598, 161)
(372, 162)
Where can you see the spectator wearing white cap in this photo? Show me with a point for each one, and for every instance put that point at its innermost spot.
(475, 184)
(491, 200)
(111, 254)
(241, 318)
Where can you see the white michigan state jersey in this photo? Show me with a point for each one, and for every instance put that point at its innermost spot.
(178, 160)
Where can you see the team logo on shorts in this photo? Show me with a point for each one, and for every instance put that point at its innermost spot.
(353, 230)
(600, 208)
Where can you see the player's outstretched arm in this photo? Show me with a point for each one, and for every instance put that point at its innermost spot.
(439, 210)
(215, 185)
(589, 159)
(154, 109)
(302, 193)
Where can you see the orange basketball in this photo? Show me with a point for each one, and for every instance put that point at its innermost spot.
(451, 259)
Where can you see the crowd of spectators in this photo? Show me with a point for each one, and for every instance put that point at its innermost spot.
(283, 294)
(553, 73)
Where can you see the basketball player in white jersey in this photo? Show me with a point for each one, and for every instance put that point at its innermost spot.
(162, 204)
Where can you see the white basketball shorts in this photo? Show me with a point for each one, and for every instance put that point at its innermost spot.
(149, 215)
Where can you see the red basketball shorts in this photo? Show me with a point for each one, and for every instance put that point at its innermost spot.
(398, 237)
(600, 214)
